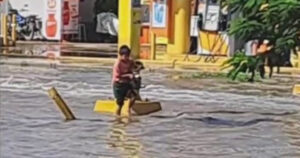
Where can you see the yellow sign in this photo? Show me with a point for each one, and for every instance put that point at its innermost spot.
(213, 43)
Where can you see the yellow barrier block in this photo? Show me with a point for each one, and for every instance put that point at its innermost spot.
(296, 90)
(110, 106)
(140, 107)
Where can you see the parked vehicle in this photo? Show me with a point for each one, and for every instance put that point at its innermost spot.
(28, 28)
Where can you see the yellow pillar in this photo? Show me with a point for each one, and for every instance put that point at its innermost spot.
(182, 15)
(298, 60)
(14, 31)
(4, 29)
(153, 46)
(129, 26)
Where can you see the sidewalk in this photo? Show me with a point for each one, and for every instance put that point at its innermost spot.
(89, 54)
(36, 48)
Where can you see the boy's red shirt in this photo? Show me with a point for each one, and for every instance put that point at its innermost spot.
(120, 68)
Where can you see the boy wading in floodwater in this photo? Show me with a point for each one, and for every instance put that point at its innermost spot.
(123, 74)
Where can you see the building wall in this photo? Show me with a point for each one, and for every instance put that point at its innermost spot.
(28, 7)
(86, 11)
(2, 6)
(87, 17)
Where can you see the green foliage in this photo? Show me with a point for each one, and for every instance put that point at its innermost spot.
(240, 63)
(277, 21)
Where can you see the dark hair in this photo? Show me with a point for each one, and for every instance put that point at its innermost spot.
(124, 50)
(139, 65)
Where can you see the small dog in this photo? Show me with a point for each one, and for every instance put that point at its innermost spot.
(136, 82)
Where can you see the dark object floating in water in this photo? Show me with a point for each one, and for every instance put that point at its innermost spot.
(217, 121)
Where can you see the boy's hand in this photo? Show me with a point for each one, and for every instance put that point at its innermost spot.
(131, 76)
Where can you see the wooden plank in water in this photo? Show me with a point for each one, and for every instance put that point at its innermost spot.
(145, 108)
(61, 104)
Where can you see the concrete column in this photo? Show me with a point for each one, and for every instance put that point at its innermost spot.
(181, 14)
(129, 26)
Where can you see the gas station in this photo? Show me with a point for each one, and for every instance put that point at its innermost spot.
(189, 31)
(166, 30)
(175, 29)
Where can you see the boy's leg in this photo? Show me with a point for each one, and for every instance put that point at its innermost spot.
(132, 95)
(131, 103)
(119, 94)
(120, 104)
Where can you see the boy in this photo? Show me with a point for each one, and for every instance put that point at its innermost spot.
(122, 76)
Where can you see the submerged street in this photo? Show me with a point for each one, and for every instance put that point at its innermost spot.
(193, 123)
(225, 72)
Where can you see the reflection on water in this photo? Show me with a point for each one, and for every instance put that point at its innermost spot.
(291, 129)
(192, 124)
(129, 146)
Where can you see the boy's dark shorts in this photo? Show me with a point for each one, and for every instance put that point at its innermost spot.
(120, 92)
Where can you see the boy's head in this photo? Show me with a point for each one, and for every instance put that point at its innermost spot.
(124, 52)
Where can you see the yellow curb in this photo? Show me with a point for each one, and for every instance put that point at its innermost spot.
(179, 65)
(154, 64)
(296, 90)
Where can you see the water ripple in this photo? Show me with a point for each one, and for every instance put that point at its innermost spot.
(192, 124)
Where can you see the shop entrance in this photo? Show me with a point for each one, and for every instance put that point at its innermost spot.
(99, 20)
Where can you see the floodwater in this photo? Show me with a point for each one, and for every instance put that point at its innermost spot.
(192, 124)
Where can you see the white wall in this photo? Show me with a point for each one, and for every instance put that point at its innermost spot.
(3, 7)
(34, 7)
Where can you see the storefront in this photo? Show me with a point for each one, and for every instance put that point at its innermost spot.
(182, 27)
(51, 19)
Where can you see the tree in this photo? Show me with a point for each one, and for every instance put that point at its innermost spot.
(277, 21)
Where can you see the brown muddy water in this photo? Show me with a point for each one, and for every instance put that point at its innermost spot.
(194, 123)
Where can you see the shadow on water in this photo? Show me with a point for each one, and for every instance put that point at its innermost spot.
(291, 129)
(232, 123)
(224, 112)
(225, 122)
(271, 123)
